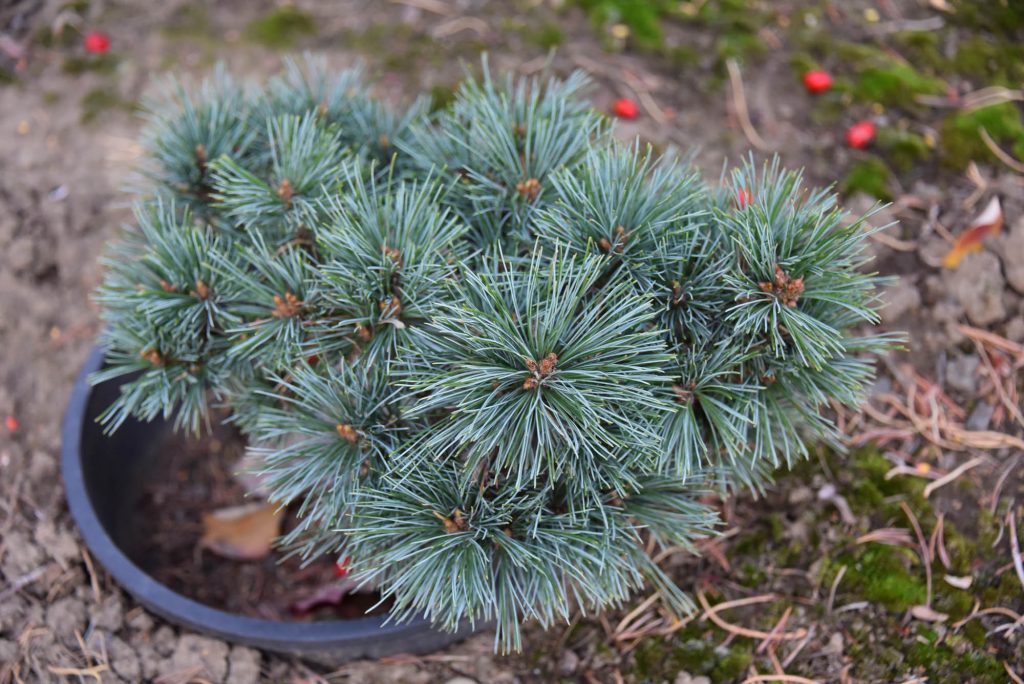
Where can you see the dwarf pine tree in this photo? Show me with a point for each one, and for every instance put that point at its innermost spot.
(491, 353)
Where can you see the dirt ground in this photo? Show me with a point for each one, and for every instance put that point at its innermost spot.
(868, 567)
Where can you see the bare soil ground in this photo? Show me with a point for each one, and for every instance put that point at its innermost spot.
(892, 564)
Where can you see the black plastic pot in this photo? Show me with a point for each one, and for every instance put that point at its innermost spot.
(100, 471)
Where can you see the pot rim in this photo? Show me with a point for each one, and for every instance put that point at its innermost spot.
(291, 637)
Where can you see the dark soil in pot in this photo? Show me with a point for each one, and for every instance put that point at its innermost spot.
(191, 477)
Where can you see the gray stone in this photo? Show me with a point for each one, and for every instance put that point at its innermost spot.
(21, 555)
(900, 297)
(109, 614)
(568, 662)
(800, 495)
(140, 620)
(123, 660)
(243, 665)
(8, 651)
(932, 250)
(21, 254)
(980, 417)
(961, 373)
(208, 658)
(834, 646)
(1015, 329)
(1011, 250)
(66, 616)
(978, 284)
(58, 542)
(164, 640)
(687, 678)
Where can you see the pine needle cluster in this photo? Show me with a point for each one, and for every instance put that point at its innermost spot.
(494, 355)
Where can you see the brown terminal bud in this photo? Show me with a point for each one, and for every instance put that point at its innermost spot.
(347, 432)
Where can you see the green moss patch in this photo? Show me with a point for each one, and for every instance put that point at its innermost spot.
(691, 650)
(870, 176)
(100, 100)
(961, 139)
(77, 65)
(903, 149)
(282, 28)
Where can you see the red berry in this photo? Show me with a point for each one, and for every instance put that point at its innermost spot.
(11, 423)
(743, 198)
(860, 134)
(341, 569)
(97, 43)
(817, 81)
(625, 109)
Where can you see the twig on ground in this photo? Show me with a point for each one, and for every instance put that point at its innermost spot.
(23, 581)
(997, 610)
(797, 679)
(799, 647)
(953, 475)
(925, 556)
(937, 544)
(643, 93)
(992, 95)
(997, 490)
(1013, 675)
(739, 100)
(711, 613)
(769, 641)
(95, 671)
(478, 26)
(1018, 564)
(894, 243)
(633, 614)
(833, 589)
(892, 536)
(1001, 154)
(93, 582)
(435, 6)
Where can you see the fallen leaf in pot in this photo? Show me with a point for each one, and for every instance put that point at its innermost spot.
(327, 595)
(988, 222)
(242, 532)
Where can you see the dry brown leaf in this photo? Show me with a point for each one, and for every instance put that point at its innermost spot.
(988, 223)
(242, 532)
